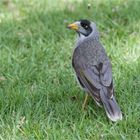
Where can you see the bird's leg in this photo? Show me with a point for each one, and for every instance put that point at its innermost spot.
(85, 102)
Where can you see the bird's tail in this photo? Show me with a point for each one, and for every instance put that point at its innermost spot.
(111, 107)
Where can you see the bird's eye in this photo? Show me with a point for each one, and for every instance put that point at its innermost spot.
(86, 26)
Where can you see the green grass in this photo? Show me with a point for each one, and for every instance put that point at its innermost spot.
(37, 82)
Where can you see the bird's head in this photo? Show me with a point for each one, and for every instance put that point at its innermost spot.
(83, 27)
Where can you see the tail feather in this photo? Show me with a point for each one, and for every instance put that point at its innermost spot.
(111, 106)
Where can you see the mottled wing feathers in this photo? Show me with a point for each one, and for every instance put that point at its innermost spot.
(94, 78)
(106, 74)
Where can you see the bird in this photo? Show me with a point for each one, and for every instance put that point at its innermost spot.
(93, 68)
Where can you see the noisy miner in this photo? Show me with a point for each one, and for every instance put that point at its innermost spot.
(93, 68)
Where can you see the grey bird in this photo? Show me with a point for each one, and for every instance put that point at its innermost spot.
(93, 68)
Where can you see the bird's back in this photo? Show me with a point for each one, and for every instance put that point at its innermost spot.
(89, 53)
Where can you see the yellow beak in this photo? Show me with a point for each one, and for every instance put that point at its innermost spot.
(73, 26)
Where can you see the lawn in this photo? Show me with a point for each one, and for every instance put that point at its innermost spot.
(39, 96)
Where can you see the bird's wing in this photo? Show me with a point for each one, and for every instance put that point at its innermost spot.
(95, 78)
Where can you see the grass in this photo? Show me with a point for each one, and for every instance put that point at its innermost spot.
(37, 83)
